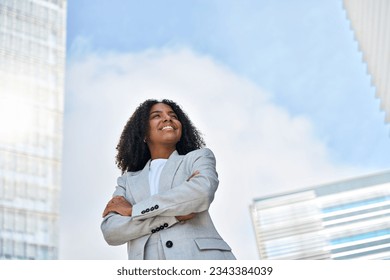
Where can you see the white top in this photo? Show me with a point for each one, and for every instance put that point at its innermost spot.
(155, 168)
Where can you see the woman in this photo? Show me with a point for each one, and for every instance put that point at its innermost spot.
(160, 205)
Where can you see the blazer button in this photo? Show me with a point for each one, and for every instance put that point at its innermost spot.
(151, 208)
(169, 244)
(147, 210)
(161, 227)
(153, 231)
(156, 207)
(142, 212)
(165, 225)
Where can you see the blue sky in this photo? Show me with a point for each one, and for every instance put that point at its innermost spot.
(300, 51)
(290, 69)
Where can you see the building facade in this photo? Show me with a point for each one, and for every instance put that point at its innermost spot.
(370, 22)
(32, 64)
(349, 219)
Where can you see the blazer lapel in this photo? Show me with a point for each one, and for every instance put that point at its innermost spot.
(139, 185)
(169, 171)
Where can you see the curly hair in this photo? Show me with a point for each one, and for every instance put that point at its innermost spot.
(133, 152)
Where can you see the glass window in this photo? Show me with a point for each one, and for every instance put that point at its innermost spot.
(22, 189)
(1, 218)
(2, 187)
(354, 204)
(43, 228)
(42, 252)
(8, 248)
(31, 223)
(31, 191)
(20, 222)
(42, 194)
(31, 251)
(361, 236)
(8, 220)
(1, 247)
(9, 190)
(19, 250)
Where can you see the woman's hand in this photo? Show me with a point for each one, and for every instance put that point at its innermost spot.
(120, 205)
(193, 174)
(185, 217)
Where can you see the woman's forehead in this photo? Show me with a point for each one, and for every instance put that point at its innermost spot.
(161, 107)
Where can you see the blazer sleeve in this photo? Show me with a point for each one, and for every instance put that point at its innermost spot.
(192, 196)
(118, 229)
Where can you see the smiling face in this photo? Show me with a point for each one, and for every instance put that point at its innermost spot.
(165, 129)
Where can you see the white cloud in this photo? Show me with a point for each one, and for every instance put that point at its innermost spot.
(260, 148)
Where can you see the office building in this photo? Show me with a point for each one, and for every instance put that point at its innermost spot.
(349, 219)
(32, 64)
(370, 22)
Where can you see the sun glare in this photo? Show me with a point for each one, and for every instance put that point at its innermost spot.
(16, 120)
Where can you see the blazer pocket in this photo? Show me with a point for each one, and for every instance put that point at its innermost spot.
(212, 244)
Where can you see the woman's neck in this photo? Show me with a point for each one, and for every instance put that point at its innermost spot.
(161, 152)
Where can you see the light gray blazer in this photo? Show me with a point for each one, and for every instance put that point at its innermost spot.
(154, 216)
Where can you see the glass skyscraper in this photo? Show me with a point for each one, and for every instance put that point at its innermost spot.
(349, 219)
(370, 22)
(32, 64)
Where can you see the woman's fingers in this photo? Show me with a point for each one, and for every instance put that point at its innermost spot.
(193, 174)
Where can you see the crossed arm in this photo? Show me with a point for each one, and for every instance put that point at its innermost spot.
(119, 205)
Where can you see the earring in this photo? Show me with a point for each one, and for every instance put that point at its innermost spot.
(144, 140)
